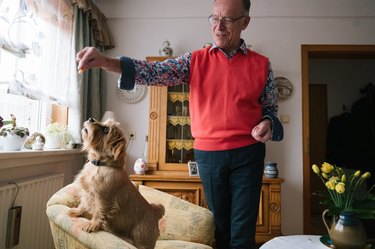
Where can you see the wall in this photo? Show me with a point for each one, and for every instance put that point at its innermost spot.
(277, 29)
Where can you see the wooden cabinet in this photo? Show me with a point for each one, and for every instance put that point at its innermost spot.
(269, 217)
(170, 147)
(170, 141)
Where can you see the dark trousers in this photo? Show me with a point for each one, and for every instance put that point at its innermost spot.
(232, 181)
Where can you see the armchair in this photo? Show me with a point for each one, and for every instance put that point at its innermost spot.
(184, 225)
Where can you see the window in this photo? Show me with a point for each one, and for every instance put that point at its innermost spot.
(36, 56)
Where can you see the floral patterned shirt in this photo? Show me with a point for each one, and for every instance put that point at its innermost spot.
(176, 71)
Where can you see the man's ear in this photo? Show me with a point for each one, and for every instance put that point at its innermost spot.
(246, 21)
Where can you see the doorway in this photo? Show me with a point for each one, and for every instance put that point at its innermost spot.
(314, 117)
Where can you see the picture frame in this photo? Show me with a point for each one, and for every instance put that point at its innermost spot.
(193, 168)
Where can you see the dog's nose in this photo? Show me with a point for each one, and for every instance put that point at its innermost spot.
(91, 120)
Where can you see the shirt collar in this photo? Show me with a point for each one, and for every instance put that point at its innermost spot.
(241, 48)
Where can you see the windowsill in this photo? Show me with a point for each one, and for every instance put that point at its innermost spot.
(11, 159)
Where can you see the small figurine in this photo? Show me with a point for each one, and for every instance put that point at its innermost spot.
(69, 145)
(166, 50)
(38, 144)
(28, 144)
(140, 166)
(207, 44)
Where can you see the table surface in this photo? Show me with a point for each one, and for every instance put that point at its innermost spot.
(295, 242)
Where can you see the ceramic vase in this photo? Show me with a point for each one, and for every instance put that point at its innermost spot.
(270, 170)
(346, 231)
(13, 142)
(53, 141)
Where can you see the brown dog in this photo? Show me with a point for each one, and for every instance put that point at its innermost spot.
(107, 198)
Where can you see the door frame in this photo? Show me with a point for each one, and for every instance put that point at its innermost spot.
(321, 52)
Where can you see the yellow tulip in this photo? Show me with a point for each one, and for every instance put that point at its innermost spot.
(315, 168)
(334, 179)
(366, 175)
(357, 173)
(331, 185)
(340, 187)
(326, 167)
(343, 178)
(326, 176)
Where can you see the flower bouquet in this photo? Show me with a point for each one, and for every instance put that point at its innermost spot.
(57, 136)
(346, 192)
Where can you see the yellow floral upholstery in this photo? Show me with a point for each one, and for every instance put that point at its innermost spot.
(184, 225)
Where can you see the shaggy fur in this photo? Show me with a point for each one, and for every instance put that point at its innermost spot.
(108, 200)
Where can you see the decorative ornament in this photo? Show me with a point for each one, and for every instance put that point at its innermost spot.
(140, 166)
(166, 49)
(207, 44)
(132, 96)
(38, 144)
(283, 87)
(270, 170)
(31, 140)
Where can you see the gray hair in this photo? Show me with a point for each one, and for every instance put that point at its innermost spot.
(246, 5)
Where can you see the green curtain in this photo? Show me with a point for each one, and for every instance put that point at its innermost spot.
(87, 92)
(91, 80)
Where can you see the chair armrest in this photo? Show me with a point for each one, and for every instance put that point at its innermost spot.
(182, 220)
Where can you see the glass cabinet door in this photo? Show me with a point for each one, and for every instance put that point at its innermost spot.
(170, 140)
(179, 142)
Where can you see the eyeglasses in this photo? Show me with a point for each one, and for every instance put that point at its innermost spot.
(226, 21)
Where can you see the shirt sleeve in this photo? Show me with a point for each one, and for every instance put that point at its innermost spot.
(269, 106)
(174, 71)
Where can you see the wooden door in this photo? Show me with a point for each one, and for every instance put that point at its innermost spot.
(322, 52)
(317, 145)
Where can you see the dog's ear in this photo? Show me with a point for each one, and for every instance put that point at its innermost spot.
(117, 142)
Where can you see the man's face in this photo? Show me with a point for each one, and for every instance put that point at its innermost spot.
(227, 35)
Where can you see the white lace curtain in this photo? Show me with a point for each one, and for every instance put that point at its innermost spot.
(39, 33)
(39, 39)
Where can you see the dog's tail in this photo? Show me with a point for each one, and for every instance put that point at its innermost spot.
(158, 209)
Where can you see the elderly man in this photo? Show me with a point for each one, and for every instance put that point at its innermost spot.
(233, 112)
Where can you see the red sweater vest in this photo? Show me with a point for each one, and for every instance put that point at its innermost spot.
(224, 98)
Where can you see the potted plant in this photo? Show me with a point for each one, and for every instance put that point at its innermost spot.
(13, 136)
(348, 200)
(57, 136)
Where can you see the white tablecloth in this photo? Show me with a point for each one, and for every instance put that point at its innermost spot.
(295, 242)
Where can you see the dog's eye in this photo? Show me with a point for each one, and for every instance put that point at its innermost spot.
(85, 130)
(105, 129)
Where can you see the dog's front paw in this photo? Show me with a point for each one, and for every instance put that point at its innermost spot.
(75, 212)
(90, 226)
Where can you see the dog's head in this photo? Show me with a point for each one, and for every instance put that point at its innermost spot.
(104, 142)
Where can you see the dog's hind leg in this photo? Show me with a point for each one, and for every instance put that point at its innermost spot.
(144, 236)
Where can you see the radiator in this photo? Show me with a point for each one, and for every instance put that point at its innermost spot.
(33, 195)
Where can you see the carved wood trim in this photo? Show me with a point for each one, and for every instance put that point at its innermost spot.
(275, 208)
